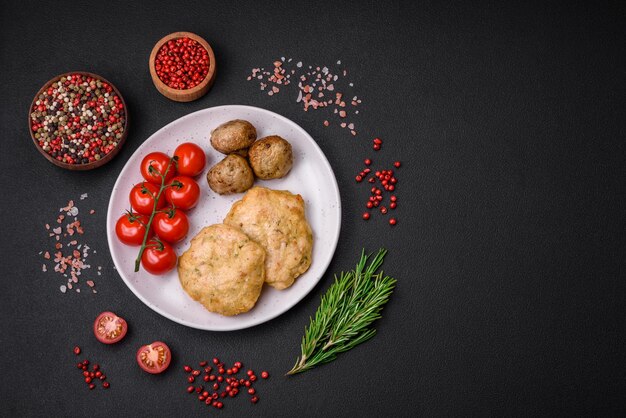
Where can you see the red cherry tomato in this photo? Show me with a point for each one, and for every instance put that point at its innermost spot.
(158, 258)
(191, 159)
(131, 231)
(184, 196)
(154, 358)
(159, 162)
(109, 328)
(171, 226)
(143, 202)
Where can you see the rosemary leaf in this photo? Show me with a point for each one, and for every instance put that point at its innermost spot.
(345, 314)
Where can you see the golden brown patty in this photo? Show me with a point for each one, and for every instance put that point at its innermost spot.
(275, 219)
(223, 269)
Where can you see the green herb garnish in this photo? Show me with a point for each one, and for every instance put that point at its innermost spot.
(347, 309)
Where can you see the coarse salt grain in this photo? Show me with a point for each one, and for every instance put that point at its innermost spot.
(72, 263)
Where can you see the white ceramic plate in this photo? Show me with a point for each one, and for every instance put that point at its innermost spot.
(311, 177)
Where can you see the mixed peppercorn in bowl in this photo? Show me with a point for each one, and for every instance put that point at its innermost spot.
(78, 120)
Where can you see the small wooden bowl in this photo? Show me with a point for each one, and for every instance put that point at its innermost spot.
(194, 92)
(93, 164)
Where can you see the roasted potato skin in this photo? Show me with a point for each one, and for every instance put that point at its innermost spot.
(231, 175)
(271, 157)
(234, 136)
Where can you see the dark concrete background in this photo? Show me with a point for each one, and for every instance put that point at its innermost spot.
(510, 247)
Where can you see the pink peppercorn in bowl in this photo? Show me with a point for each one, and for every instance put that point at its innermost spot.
(182, 66)
(78, 120)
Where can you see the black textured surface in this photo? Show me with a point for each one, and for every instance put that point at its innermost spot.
(510, 247)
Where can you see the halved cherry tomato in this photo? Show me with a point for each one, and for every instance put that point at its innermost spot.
(158, 257)
(171, 226)
(191, 159)
(185, 194)
(159, 162)
(109, 328)
(130, 228)
(142, 201)
(154, 358)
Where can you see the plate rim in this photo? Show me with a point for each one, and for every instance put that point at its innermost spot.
(291, 303)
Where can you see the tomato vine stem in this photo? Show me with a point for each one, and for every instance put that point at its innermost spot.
(155, 210)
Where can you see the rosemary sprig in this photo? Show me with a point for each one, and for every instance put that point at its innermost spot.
(347, 309)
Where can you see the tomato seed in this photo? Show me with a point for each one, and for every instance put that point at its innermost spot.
(393, 198)
(254, 399)
(206, 378)
(376, 147)
(251, 391)
(91, 386)
(191, 379)
(199, 389)
(103, 377)
(359, 179)
(393, 205)
(187, 369)
(392, 221)
(88, 380)
(253, 377)
(189, 388)
(220, 379)
(79, 365)
(85, 362)
(195, 373)
(106, 385)
(220, 405)
(366, 216)
(203, 363)
(216, 360)
(77, 350)
(201, 398)
(216, 386)
(383, 210)
(367, 161)
(98, 373)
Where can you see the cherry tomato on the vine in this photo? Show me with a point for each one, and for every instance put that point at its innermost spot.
(191, 159)
(184, 194)
(130, 228)
(158, 257)
(171, 226)
(159, 162)
(143, 201)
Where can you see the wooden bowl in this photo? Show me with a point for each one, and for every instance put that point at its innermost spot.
(194, 92)
(93, 164)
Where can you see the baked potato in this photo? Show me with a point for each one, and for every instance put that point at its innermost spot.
(234, 136)
(271, 157)
(231, 175)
